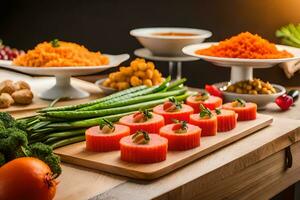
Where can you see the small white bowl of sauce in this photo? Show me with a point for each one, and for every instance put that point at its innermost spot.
(168, 41)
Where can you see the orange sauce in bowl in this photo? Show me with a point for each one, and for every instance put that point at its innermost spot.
(175, 34)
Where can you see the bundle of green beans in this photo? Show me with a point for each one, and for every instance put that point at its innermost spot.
(60, 126)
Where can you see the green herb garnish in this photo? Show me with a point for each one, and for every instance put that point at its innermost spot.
(107, 123)
(183, 126)
(177, 104)
(147, 114)
(201, 96)
(218, 111)
(240, 102)
(141, 137)
(55, 43)
(205, 112)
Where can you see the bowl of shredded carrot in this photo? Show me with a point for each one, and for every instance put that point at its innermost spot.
(244, 49)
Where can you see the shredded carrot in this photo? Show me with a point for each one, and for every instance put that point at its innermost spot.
(245, 45)
(62, 54)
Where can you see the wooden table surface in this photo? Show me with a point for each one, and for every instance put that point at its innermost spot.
(251, 168)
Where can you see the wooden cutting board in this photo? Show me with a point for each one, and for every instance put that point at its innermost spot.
(110, 161)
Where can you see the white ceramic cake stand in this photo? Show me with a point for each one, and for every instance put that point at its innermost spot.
(241, 69)
(63, 86)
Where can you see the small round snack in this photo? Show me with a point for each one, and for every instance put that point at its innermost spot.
(6, 100)
(227, 119)
(173, 110)
(204, 98)
(23, 96)
(142, 147)
(245, 110)
(205, 120)
(105, 137)
(7, 86)
(143, 120)
(19, 85)
(181, 136)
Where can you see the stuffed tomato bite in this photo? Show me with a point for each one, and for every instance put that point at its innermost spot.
(143, 120)
(205, 120)
(226, 119)
(203, 98)
(105, 137)
(174, 110)
(142, 147)
(245, 110)
(181, 135)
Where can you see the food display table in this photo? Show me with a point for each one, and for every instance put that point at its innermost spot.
(255, 167)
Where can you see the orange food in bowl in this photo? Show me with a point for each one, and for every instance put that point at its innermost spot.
(245, 45)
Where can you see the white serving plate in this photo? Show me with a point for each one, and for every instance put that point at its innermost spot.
(168, 45)
(240, 62)
(114, 60)
(241, 68)
(262, 100)
(63, 87)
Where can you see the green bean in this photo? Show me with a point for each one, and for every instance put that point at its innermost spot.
(74, 107)
(104, 112)
(139, 99)
(67, 141)
(88, 122)
(176, 83)
(130, 95)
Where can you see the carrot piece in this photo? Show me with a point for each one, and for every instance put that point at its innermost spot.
(181, 141)
(154, 151)
(227, 120)
(98, 141)
(182, 114)
(244, 113)
(212, 103)
(208, 125)
(151, 125)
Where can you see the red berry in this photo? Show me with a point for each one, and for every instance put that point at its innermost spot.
(177, 127)
(214, 90)
(284, 101)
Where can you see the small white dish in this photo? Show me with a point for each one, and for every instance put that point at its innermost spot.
(262, 100)
(63, 87)
(164, 45)
(106, 90)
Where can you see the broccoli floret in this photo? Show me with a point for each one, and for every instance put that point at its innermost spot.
(11, 141)
(7, 120)
(45, 153)
(2, 159)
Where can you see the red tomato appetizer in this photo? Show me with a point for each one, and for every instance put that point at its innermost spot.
(245, 110)
(105, 137)
(206, 120)
(173, 110)
(181, 136)
(143, 120)
(143, 148)
(209, 101)
(227, 119)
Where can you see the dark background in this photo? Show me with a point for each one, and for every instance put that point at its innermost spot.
(105, 24)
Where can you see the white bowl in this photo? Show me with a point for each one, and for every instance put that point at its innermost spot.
(168, 45)
(106, 90)
(260, 99)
